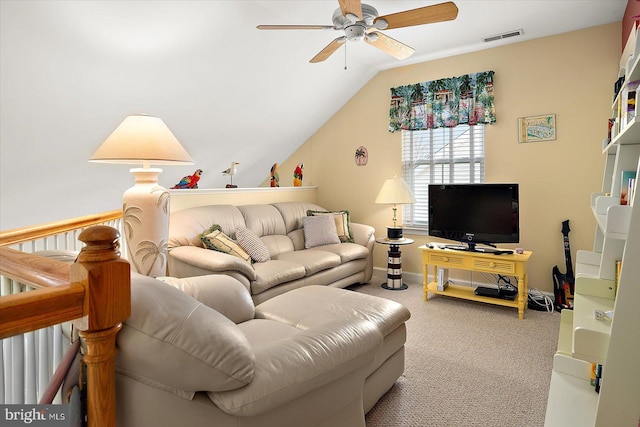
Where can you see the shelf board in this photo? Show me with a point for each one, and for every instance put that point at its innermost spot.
(588, 263)
(590, 336)
(612, 217)
(630, 135)
(572, 401)
(466, 292)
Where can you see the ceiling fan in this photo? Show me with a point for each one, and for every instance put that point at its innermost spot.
(360, 21)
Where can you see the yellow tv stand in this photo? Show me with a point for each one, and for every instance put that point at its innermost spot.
(514, 265)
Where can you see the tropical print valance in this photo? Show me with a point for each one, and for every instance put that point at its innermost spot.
(467, 99)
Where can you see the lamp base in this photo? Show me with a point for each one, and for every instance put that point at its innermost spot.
(394, 233)
(146, 222)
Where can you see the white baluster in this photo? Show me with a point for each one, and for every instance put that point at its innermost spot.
(30, 368)
(17, 369)
(44, 358)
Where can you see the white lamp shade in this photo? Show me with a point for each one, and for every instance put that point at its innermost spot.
(395, 191)
(142, 139)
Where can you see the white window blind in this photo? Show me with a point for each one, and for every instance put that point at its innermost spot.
(439, 156)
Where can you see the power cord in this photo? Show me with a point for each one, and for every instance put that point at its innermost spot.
(539, 301)
(507, 284)
(536, 299)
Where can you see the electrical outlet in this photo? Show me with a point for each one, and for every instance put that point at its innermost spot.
(598, 314)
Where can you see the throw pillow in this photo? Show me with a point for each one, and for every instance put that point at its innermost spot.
(319, 230)
(343, 223)
(252, 244)
(204, 239)
(218, 241)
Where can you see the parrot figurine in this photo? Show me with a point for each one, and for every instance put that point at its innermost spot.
(232, 170)
(275, 178)
(297, 175)
(190, 181)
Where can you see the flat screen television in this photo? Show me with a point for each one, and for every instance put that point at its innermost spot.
(474, 214)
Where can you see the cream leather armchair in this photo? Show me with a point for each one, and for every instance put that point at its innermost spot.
(197, 352)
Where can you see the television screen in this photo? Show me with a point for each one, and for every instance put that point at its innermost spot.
(474, 213)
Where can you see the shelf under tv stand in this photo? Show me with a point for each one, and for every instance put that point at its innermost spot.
(505, 264)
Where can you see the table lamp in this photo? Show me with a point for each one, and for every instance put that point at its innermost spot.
(144, 140)
(395, 191)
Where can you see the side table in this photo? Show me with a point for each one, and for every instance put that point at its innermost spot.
(394, 266)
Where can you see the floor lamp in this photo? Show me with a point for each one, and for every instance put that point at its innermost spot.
(144, 140)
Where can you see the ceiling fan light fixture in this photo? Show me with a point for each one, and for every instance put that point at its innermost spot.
(355, 32)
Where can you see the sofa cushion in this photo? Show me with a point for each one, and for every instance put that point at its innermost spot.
(176, 343)
(251, 243)
(277, 244)
(264, 220)
(346, 251)
(311, 306)
(342, 220)
(319, 230)
(294, 366)
(220, 242)
(293, 212)
(275, 272)
(312, 260)
(223, 293)
(262, 332)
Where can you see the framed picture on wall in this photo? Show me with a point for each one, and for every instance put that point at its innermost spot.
(537, 128)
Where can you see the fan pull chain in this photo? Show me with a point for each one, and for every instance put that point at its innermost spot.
(345, 56)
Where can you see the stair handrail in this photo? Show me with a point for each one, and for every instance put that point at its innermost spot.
(26, 234)
(95, 291)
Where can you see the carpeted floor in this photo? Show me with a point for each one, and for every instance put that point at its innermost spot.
(467, 363)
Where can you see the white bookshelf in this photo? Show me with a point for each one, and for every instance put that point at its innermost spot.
(615, 344)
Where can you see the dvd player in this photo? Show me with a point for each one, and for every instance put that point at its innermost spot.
(495, 292)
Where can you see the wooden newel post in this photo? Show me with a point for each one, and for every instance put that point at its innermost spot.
(107, 303)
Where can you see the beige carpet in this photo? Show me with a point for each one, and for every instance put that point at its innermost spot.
(467, 363)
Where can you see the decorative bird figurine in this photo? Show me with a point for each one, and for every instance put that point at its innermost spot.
(190, 181)
(275, 178)
(232, 170)
(297, 175)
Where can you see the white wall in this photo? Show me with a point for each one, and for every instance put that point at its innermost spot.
(70, 71)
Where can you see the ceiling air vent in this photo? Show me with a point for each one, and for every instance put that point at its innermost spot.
(506, 35)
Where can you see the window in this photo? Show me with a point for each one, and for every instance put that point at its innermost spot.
(439, 156)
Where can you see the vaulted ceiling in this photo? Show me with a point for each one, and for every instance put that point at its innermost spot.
(229, 91)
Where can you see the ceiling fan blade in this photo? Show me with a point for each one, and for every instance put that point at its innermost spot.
(327, 51)
(351, 6)
(389, 45)
(295, 27)
(424, 15)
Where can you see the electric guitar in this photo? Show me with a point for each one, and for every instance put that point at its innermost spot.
(563, 284)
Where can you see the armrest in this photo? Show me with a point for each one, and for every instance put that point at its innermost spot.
(292, 367)
(207, 261)
(221, 292)
(363, 234)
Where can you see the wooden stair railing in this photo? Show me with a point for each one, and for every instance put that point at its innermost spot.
(26, 234)
(95, 291)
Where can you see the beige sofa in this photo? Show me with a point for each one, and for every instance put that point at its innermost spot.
(204, 355)
(280, 227)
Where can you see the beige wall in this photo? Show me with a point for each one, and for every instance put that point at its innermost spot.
(570, 75)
